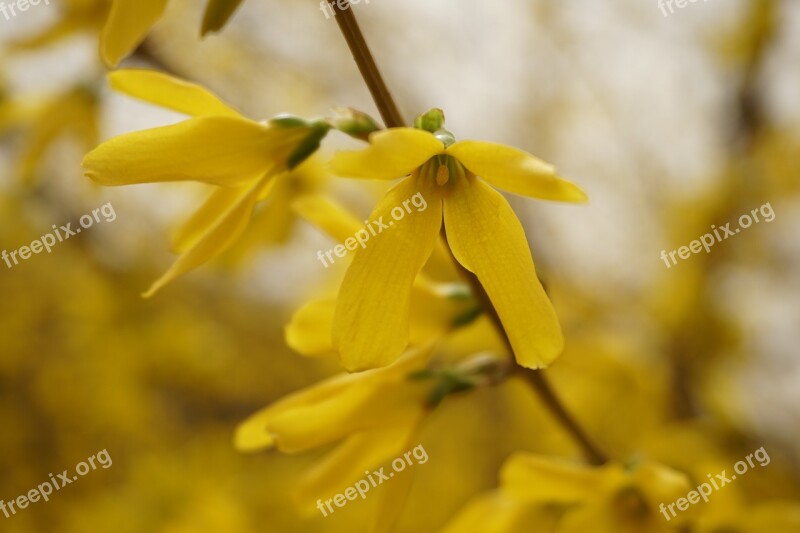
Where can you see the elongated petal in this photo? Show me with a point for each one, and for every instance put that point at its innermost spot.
(515, 171)
(215, 236)
(128, 23)
(371, 324)
(497, 513)
(553, 480)
(216, 150)
(170, 92)
(353, 410)
(394, 497)
(310, 330)
(328, 216)
(392, 154)
(488, 240)
(348, 462)
(253, 434)
(260, 432)
(221, 200)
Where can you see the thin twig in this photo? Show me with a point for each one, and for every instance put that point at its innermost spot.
(366, 64)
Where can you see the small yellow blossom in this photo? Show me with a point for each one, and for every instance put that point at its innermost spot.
(374, 415)
(241, 157)
(607, 499)
(371, 324)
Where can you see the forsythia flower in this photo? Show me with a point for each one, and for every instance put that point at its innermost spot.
(375, 415)
(372, 316)
(608, 499)
(243, 158)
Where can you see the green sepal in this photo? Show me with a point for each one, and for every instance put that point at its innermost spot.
(309, 145)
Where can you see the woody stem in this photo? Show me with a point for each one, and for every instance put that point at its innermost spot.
(392, 118)
(366, 64)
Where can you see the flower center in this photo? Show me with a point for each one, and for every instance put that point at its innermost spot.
(443, 169)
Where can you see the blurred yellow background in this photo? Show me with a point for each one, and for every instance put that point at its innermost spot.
(670, 123)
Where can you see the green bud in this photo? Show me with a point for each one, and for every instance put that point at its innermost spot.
(354, 123)
(431, 121)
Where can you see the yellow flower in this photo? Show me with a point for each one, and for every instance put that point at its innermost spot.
(375, 415)
(608, 499)
(218, 146)
(371, 324)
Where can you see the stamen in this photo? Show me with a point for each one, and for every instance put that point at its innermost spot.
(442, 175)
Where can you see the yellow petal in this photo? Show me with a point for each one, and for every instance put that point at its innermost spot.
(128, 24)
(353, 410)
(253, 434)
(221, 200)
(170, 92)
(394, 496)
(309, 331)
(328, 216)
(544, 479)
(660, 483)
(497, 513)
(216, 150)
(604, 517)
(488, 239)
(294, 424)
(371, 324)
(349, 461)
(392, 154)
(515, 171)
(214, 237)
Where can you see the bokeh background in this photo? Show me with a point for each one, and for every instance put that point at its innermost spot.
(670, 123)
